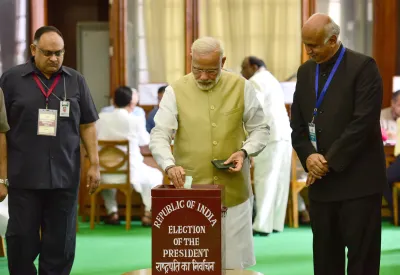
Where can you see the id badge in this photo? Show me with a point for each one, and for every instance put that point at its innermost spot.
(47, 122)
(312, 135)
(64, 108)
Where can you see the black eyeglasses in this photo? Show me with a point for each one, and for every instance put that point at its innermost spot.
(50, 53)
(209, 71)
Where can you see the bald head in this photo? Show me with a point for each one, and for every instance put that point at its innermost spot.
(251, 65)
(320, 37)
(321, 25)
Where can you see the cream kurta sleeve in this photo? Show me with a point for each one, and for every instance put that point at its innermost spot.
(166, 123)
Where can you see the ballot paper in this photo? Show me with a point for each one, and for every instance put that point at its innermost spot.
(188, 182)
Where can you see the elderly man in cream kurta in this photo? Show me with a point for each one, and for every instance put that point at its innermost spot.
(210, 110)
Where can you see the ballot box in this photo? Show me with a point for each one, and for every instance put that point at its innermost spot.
(186, 230)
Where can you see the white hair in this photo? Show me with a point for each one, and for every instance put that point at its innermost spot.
(331, 29)
(207, 45)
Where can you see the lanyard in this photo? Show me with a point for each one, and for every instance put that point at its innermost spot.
(65, 90)
(50, 90)
(327, 83)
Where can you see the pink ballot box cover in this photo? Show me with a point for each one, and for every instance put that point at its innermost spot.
(186, 231)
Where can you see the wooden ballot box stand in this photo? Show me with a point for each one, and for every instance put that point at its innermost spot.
(186, 230)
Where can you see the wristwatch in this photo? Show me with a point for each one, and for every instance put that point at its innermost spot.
(169, 167)
(4, 181)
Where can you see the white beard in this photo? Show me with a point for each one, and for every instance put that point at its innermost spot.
(209, 84)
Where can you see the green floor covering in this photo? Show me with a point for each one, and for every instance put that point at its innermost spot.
(110, 250)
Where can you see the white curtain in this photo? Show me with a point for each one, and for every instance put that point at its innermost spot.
(268, 29)
(165, 39)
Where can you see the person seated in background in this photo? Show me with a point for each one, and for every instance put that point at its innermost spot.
(137, 111)
(120, 125)
(150, 118)
(389, 116)
(393, 171)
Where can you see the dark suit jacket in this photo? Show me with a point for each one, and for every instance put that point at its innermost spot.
(347, 126)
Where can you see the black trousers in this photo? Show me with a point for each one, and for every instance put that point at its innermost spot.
(52, 210)
(355, 224)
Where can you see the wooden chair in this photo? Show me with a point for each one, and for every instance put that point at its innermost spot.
(85, 200)
(396, 188)
(296, 185)
(113, 161)
(2, 247)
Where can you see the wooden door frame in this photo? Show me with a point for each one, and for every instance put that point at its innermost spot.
(308, 8)
(385, 39)
(37, 15)
(118, 36)
(191, 30)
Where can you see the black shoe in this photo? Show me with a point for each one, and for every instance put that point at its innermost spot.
(112, 219)
(255, 233)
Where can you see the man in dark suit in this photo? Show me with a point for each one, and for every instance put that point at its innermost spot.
(336, 134)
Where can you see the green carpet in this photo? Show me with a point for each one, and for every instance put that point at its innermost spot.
(110, 250)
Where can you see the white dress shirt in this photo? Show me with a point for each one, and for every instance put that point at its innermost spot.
(271, 96)
(137, 111)
(120, 125)
(166, 121)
